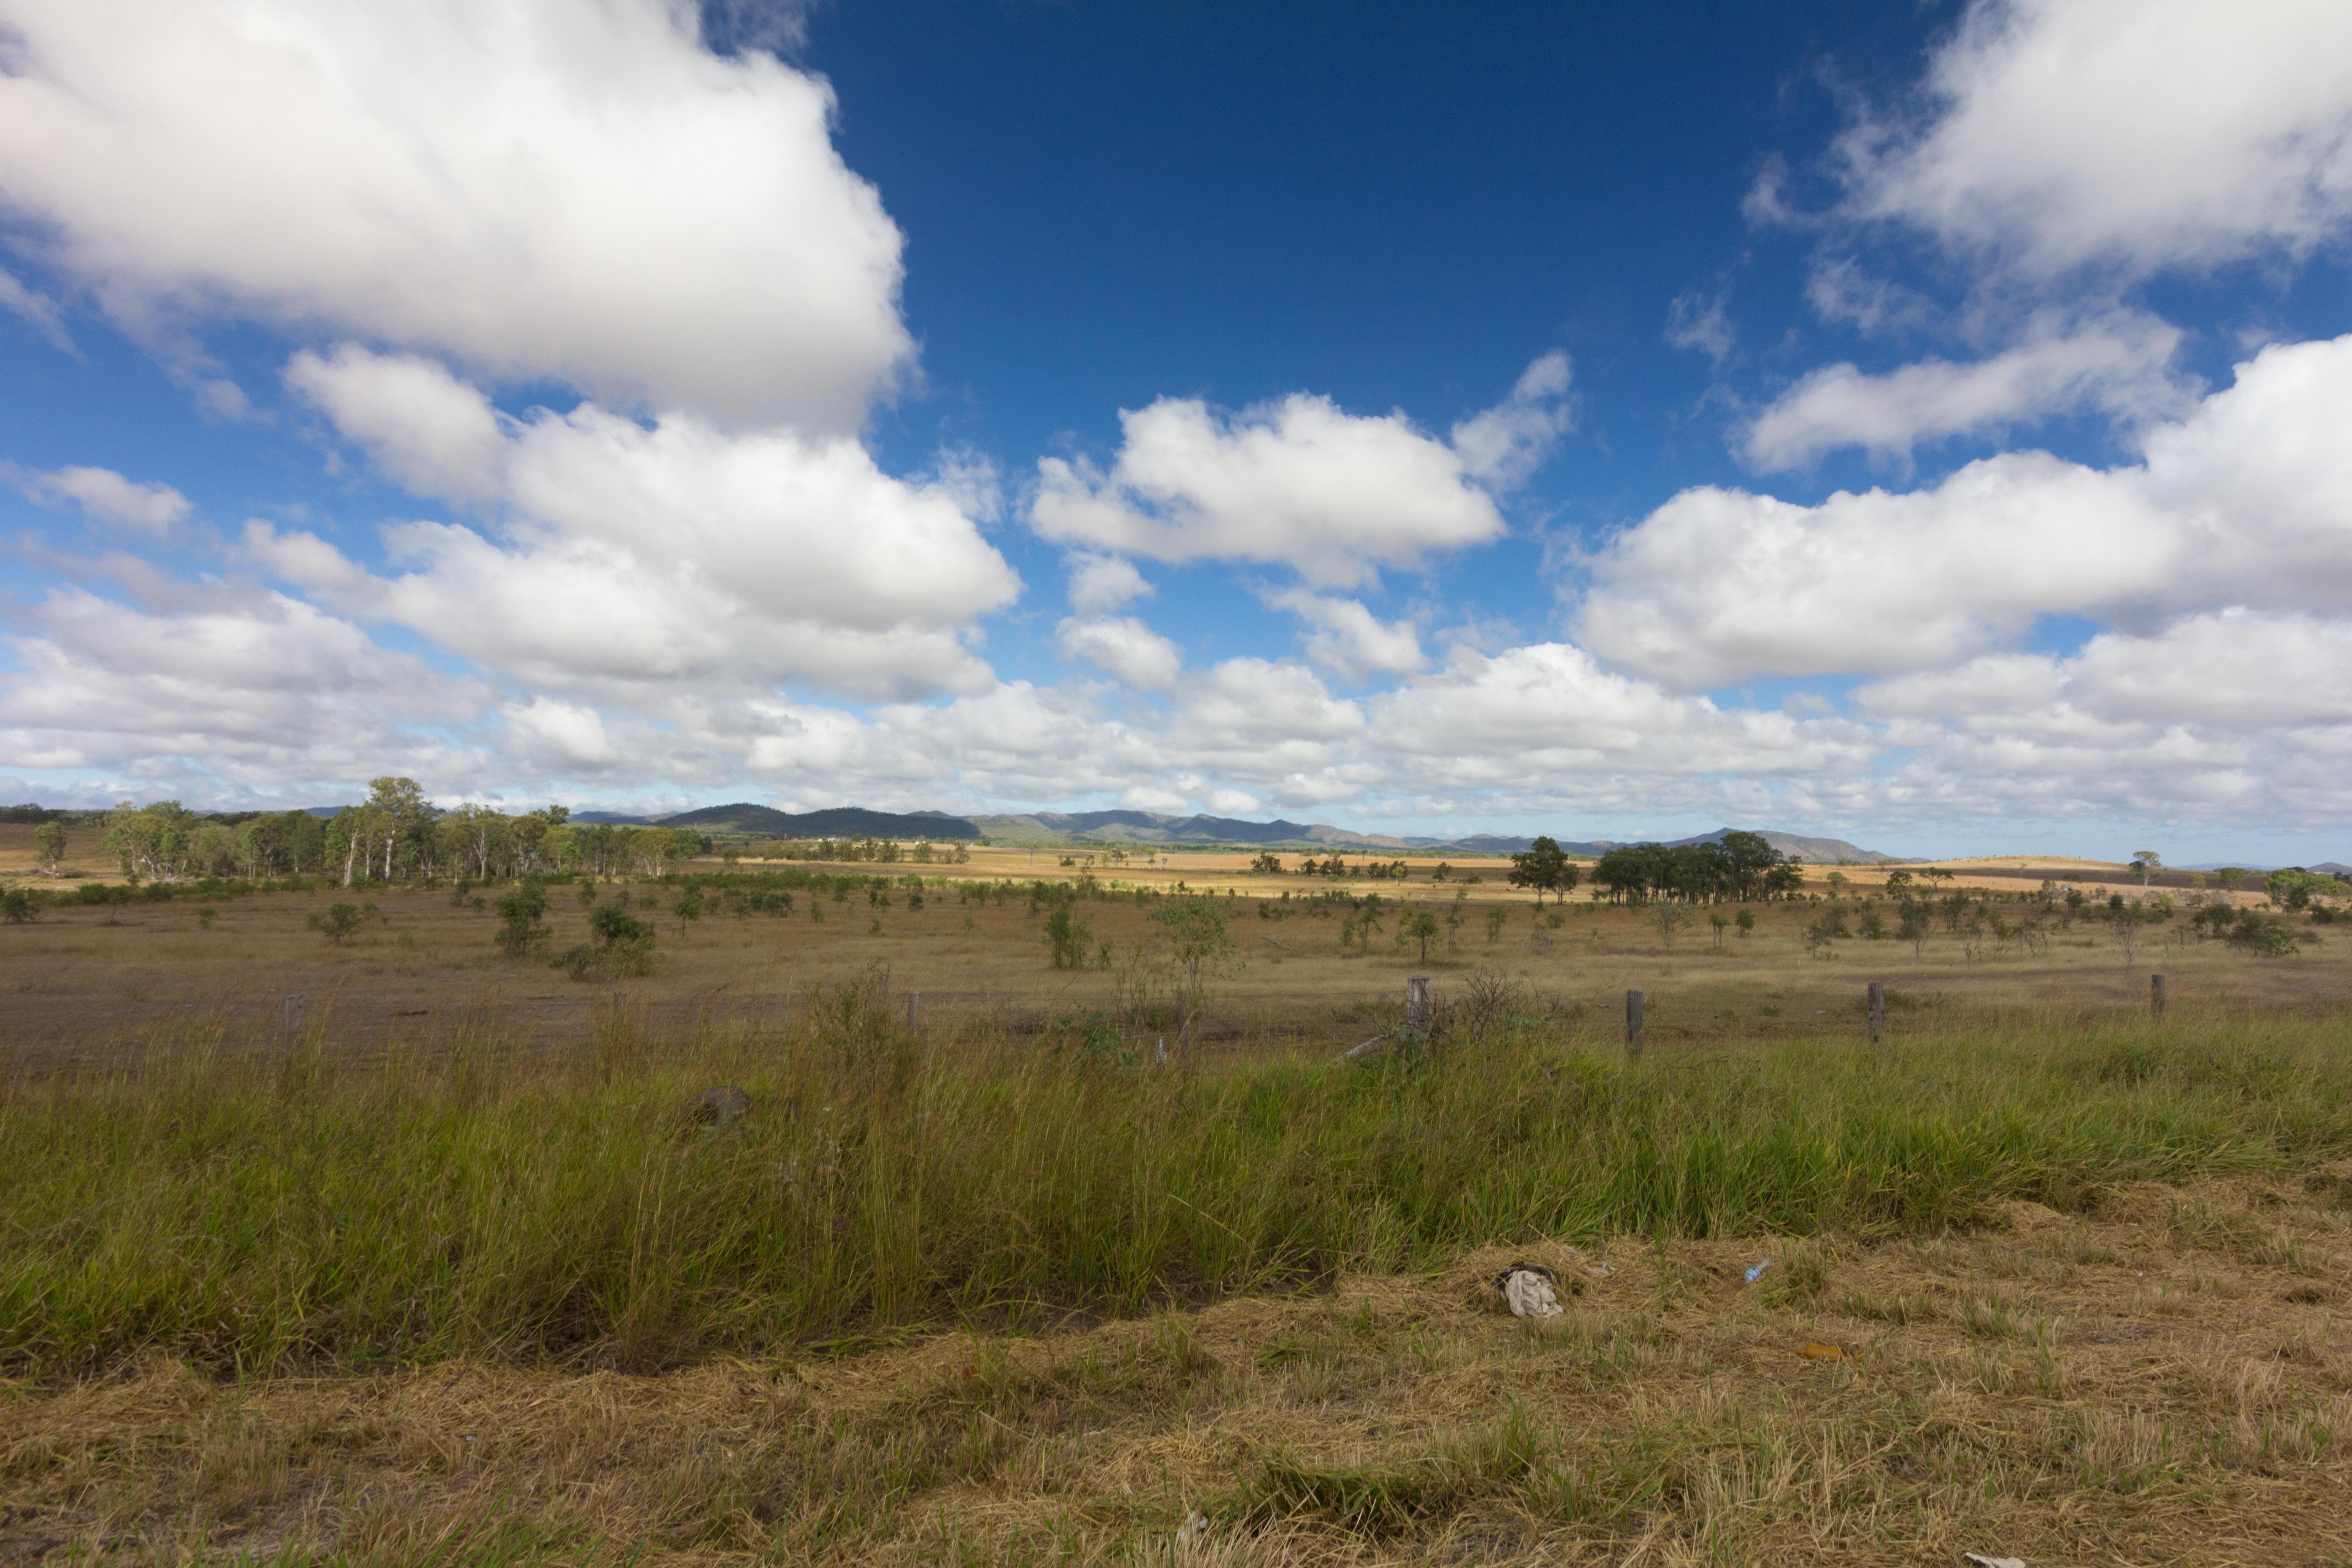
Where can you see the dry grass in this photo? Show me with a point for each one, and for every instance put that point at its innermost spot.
(83, 982)
(2166, 1378)
(2159, 1377)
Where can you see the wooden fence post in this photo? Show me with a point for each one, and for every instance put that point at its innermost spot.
(914, 1009)
(2156, 996)
(1878, 1010)
(1633, 1023)
(1420, 1011)
(295, 1006)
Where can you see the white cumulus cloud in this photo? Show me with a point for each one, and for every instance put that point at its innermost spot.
(260, 688)
(1124, 647)
(2121, 368)
(2126, 134)
(1302, 483)
(560, 737)
(678, 552)
(1099, 584)
(539, 189)
(1503, 446)
(2247, 501)
(1346, 639)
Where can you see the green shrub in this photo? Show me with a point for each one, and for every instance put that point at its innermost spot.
(1067, 936)
(338, 924)
(2269, 935)
(624, 946)
(520, 935)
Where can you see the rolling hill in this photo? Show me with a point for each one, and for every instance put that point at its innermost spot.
(767, 822)
(1151, 828)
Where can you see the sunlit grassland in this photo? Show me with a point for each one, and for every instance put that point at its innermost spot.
(287, 1209)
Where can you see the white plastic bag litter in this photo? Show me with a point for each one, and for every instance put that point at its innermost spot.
(1526, 1288)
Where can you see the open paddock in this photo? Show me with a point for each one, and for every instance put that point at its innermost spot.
(84, 982)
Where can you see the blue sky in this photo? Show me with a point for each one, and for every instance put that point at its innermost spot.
(1915, 424)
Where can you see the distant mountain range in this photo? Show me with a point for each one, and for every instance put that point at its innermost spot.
(767, 822)
(1151, 829)
(1816, 851)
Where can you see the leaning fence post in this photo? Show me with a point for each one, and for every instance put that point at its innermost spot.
(2155, 996)
(1878, 1010)
(1633, 1023)
(1419, 1010)
(914, 1009)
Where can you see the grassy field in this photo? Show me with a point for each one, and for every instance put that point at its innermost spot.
(86, 985)
(2160, 1378)
(447, 1274)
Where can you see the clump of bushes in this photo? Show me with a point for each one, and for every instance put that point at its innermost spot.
(340, 922)
(624, 945)
(520, 935)
(1067, 936)
(2266, 935)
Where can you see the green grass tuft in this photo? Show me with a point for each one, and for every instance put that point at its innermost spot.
(306, 1213)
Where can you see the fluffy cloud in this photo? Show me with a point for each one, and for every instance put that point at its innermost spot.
(2126, 134)
(1720, 586)
(2248, 500)
(1538, 728)
(2236, 671)
(539, 189)
(103, 494)
(1126, 647)
(1548, 715)
(2237, 710)
(671, 553)
(426, 429)
(1502, 446)
(257, 689)
(1349, 640)
(1099, 584)
(561, 740)
(2120, 369)
(1335, 496)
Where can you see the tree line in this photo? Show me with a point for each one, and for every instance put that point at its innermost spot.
(395, 835)
(1738, 868)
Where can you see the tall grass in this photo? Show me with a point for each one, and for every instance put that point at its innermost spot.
(286, 1213)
